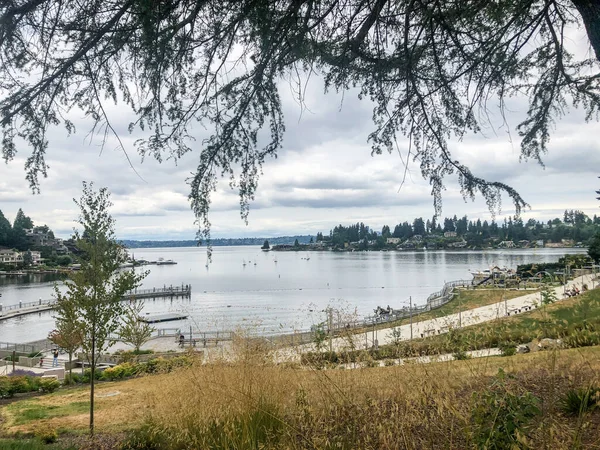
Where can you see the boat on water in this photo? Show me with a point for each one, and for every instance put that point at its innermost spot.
(165, 262)
(493, 272)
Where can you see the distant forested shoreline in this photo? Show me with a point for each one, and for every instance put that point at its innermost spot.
(305, 239)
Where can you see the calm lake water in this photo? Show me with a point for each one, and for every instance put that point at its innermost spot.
(278, 292)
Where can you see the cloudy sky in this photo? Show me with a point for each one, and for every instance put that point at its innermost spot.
(323, 176)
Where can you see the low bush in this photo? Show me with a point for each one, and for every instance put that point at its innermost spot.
(49, 385)
(87, 375)
(578, 401)
(124, 370)
(47, 436)
(23, 373)
(17, 384)
(502, 414)
(507, 348)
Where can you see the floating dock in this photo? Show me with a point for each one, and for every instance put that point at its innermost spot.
(163, 318)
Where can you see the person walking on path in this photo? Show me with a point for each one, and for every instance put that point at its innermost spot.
(55, 358)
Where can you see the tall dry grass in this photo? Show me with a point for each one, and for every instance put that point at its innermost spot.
(248, 403)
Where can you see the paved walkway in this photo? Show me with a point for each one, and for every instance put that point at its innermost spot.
(436, 326)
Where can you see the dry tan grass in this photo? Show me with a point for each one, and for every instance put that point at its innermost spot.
(410, 406)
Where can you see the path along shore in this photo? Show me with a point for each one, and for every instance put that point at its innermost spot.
(438, 325)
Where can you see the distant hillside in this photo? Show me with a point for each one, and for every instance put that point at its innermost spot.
(218, 242)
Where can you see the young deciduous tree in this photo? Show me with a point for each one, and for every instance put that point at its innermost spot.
(68, 333)
(96, 290)
(132, 330)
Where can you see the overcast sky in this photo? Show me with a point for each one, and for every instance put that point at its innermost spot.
(323, 176)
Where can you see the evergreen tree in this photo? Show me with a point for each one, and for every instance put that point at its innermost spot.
(5, 231)
(21, 223)
(594, 249)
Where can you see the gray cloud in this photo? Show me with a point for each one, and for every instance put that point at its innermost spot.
(324, 175)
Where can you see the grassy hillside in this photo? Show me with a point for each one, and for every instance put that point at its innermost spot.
(541, 400)
(248, 405)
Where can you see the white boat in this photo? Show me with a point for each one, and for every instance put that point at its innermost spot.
(492, 272)
(164, 262)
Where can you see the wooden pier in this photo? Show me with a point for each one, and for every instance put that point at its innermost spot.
(185, 290)
(167, 317)
(23, 308)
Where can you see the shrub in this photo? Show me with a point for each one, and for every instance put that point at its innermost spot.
(578, 401)
(76, 378)
(87, 374)
(6, 389)
(15, 384)
(500, 416)
(23, 373)
(47, 436)
(508, 348)
(124, 370)
(20, 384)
(49, 385)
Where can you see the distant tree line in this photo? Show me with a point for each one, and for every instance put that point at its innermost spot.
(574, 225)
(304, 239)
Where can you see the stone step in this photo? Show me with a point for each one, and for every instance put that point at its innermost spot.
(47, 364)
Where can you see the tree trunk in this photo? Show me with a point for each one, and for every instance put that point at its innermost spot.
(92, 379)
(590, 13)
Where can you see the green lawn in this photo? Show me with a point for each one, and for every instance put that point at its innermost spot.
(32, 410)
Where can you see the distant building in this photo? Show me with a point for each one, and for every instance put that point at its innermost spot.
(450, 234)
(539, 242)
(392, 240)
(14, 258)
(36, 257)
(11, 257)
(36, 237)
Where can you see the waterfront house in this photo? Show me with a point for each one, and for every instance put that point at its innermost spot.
(13, 258)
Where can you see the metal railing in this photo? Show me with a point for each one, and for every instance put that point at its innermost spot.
(166, 291)
(184, 289)
(19, 348)
(434, 301)
(22, 305)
